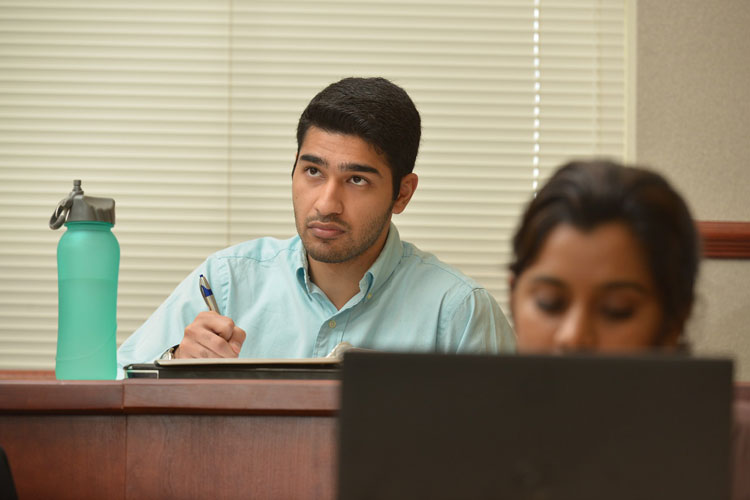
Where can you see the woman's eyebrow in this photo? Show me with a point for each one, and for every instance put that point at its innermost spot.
(632, 285)
(548, 280)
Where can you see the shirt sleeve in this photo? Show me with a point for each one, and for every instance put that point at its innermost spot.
(477, 325)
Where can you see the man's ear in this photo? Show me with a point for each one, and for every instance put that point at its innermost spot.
(406, 191)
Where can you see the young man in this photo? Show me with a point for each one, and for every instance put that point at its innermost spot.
(347, 276)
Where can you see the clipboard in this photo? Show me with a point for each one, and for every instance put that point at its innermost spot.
(300, 368)
(328, 367)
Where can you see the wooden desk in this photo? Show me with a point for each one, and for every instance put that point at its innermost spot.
(170, 439)
(212, 439)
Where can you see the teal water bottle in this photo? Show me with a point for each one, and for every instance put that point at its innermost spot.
(88, 262)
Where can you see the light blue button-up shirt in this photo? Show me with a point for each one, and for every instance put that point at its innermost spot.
(407, 301)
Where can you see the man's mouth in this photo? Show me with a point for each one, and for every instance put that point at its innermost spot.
(324, 230)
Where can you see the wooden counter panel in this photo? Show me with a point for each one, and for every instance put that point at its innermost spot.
(742, 391)
(278, 397)
(231, 457)
(64, 456)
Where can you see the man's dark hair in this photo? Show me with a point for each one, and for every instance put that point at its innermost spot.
(373, 109)
(589, 194)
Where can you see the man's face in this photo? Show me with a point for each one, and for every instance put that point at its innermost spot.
(342, 192)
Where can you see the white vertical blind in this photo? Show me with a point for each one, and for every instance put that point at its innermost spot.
(185, 113)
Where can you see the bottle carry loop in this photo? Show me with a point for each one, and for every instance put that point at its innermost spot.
(63, 208)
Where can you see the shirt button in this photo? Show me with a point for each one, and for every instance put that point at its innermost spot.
(332, 323)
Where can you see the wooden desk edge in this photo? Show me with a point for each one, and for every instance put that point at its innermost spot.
(280, 397)
(273, 397)
(60, 396)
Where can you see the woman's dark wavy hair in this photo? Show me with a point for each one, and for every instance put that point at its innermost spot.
(374, 109)
(588, 194)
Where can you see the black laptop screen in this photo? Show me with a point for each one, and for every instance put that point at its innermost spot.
(537, 427)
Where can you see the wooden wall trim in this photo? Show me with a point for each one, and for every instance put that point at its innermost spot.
(725, 240)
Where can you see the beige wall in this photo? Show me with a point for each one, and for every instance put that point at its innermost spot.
(693, 124)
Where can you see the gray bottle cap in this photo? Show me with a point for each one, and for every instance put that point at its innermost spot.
(76, 208)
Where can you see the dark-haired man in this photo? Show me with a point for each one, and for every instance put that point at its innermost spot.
(347, 276)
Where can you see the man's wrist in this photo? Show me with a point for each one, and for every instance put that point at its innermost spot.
(169, 353)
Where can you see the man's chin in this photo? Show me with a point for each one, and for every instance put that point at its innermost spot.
(328, 257)
(325, 251)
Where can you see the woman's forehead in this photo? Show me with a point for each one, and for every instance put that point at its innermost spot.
(606, 253)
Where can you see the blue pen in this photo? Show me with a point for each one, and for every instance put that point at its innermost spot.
(208, 294)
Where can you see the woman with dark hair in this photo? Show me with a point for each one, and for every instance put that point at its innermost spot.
(605, 260)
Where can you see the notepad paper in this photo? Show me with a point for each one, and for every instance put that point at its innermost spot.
(335, 357)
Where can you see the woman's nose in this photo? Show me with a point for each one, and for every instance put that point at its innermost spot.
(576, 332)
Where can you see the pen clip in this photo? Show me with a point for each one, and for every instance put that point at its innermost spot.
(205, 292)
(208, 294)
(204, 286)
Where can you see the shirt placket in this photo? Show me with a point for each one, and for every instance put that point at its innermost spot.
(331, 332)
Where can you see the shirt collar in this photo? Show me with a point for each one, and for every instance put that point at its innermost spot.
(386, 262)
(299, 260)
(378, 273)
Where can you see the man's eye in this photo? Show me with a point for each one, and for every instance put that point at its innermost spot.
(313, 171)
(359, 181)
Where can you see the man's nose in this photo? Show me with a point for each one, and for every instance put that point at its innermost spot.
(576, 332)
(329, 201)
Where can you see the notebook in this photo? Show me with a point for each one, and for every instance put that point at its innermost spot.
(534, 427)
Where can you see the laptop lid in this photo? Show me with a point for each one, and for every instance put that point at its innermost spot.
(534, 427)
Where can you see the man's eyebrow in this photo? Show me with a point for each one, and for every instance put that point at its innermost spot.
(358, 167)
(314, 159)
(345, 167)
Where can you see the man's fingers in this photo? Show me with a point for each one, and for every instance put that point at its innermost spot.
(202, 347)
(215, 322)
(237, 339)
(227, 330)
(207, 337)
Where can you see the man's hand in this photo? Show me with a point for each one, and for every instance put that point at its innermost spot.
(211, 335)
